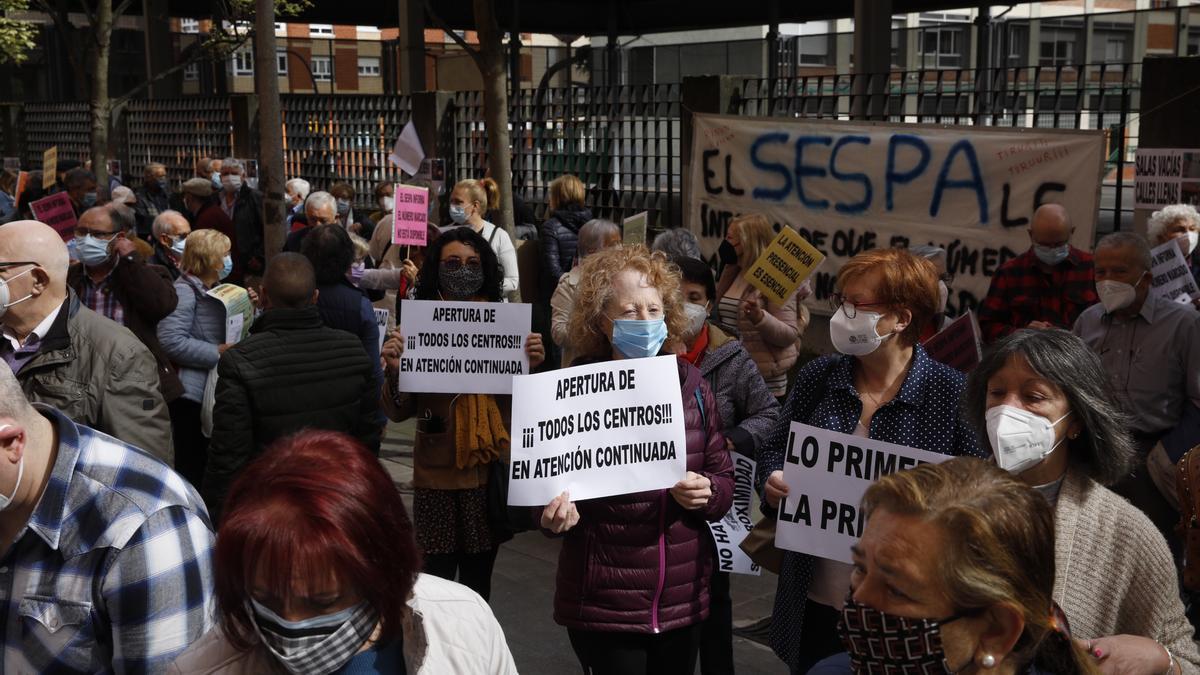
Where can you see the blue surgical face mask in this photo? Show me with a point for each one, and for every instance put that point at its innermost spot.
(458, 214)
(178, 245)
(227, 266)
(91, 251)
(89, 200)
(1052, 255)
(635, 338)
(216, 180)
(343, 207)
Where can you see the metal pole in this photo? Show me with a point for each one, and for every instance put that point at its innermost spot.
(270, 133)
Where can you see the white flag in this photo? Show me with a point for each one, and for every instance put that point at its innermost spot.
(407, 152)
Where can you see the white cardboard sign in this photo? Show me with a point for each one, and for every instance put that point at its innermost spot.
(827, 473)
(1170, 275)
(462, 347)
(598, 430)
(729, 532)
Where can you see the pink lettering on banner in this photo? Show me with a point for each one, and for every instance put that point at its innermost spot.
(57, 212)
(411, 216)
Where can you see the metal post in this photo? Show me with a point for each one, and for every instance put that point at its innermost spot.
(772, 53)
(873, 57)
(983, 62)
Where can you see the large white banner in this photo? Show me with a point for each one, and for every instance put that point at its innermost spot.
(462, 347)
(827, 473)
(848, 187)
(730, 530)
(599, 430)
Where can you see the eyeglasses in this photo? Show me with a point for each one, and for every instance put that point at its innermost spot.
(102, 236)
(6, 265)
(455, 264)
(838, 301)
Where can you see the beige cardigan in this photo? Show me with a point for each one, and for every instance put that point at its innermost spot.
(1114, 573)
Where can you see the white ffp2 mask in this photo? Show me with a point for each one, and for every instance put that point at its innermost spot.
(1020, 439)
(857, 336)
(7, 500)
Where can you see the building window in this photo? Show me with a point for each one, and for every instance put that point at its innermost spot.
(243, 63)
(368, 66)
(191, 72)
(189, 26)
(322, 68)
(1193, 43)
(814, 50)
(1057, 47)
(320, 29)
(281, 59)
(1109, 48)
(941, 47)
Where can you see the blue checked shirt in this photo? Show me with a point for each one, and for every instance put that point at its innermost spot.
(113, 572)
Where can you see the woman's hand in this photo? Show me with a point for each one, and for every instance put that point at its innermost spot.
(409, 269)
(775, 489)
(560, 514)
(254, 298)
(1129, 655)
(392, 349)
(534, 350)
(222, 348)
(693, 492)
(752, 308)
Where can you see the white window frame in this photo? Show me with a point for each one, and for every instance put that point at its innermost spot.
(324, 74)
(189, 25)
(191, 72)
(947, 52)
(281, 61)
(372, 67)
(320, 29)
(243, 63)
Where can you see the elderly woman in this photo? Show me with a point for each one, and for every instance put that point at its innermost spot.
(768, 330)
(883, 386)
(193, 337)
(634, 570)
(1043, 403)
(454, 451)
(468, 203)
(1180, 222)
(676, 243)
(974, 591)
(354, 223)
(595, 235)
(316, 571)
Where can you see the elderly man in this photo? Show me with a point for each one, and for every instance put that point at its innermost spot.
(297, 191)
(204, 213)
(1048, 286)
(108, 553)
(80, 185)
(116, 282)
(319, 209)
(169, 231)
(93, 370)
(153, 197)
(1150, 348)
(291, 372)
(243, 207)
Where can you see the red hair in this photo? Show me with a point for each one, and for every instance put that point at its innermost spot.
(906, 282)
(314, 502)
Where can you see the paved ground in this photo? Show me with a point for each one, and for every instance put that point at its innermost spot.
(523, 590)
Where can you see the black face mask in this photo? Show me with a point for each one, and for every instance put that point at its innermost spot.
(461, 283)
(726, 254)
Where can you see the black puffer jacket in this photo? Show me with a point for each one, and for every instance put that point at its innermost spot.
(292, 372)
(560, 241)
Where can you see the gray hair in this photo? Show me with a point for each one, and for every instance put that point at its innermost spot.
(1131, 239)
(927, 251)
(232, 163)
(1167, 215)
(299, 186)
(319, 200)
(677, 242)
(1104, 449)
(162, 221)
(594, 233)
(153, 166)
(123, 216)
(12, 399)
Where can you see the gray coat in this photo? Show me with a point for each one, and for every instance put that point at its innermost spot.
(192, 333)
(747, 408)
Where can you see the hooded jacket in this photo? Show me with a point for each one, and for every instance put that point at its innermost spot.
(560, 243)
(747, 407)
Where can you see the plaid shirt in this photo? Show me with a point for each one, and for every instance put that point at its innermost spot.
(1022, 292)
(113, 571)
(99, 298)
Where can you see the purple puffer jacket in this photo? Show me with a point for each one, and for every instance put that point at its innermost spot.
(640, 563)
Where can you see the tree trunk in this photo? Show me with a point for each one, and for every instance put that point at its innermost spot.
(495, 107)
(270, 132)
(101, 112)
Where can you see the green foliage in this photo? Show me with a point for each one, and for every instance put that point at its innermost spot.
(16, 37)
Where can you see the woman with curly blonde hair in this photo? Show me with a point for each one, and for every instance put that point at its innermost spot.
(634, 570)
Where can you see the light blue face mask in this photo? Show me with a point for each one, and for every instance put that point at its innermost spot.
(178, 245)
(635, 338)
(458, 214)
(1052, 255)
(91, 251)
(89, 200)
(227, 266)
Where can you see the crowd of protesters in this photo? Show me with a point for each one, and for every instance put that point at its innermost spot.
(173, 501)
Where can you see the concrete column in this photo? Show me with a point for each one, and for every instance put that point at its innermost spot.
(704, 94)
(412, 46)
(872, 57)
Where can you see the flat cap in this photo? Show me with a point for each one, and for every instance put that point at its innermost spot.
(198, 187)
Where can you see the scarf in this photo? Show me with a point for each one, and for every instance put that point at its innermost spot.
(479, 433)
(696, 351)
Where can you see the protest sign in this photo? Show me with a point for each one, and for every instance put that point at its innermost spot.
(633, 229)
(407, 153)
(382, 318)
(958, 345)
(12, 163)
(729, 532)
(49, 167)
(239, 312)
(1170, 275)
(463, 347)
(57, 212)
(599, 430)
(783, 266)
(22, 183)
(410, 216)
(1166, 176)
(848, 187)
(827, 473)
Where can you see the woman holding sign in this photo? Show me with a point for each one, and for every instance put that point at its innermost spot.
(459, 437)
(1042, 400)
(634, 570)
(882, 386)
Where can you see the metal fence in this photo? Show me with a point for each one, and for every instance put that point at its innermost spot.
(177, 133)
(46, 125)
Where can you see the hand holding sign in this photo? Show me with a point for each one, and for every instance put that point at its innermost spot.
(560, 514)
(392, 348)
(776, 488)
(752, 308)
(693, 492)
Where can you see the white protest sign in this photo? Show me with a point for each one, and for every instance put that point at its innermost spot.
(729, 532)
(848, 187)
(407, 153)
(827, 473)
(1166, 176)
(1171, 277)
(239, 311)
(463, 347)
(381, 319)
(599, 430)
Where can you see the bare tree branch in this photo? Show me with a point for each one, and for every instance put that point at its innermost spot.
(200, 54)
(445, 27)
(120, 9)
(91, 17)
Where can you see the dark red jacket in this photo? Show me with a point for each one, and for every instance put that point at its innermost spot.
(210, 216)
(641, 563)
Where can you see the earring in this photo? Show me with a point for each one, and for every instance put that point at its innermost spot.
(989, 661)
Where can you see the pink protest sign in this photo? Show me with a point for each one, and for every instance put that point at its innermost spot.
(410, 216)
(57, 212)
